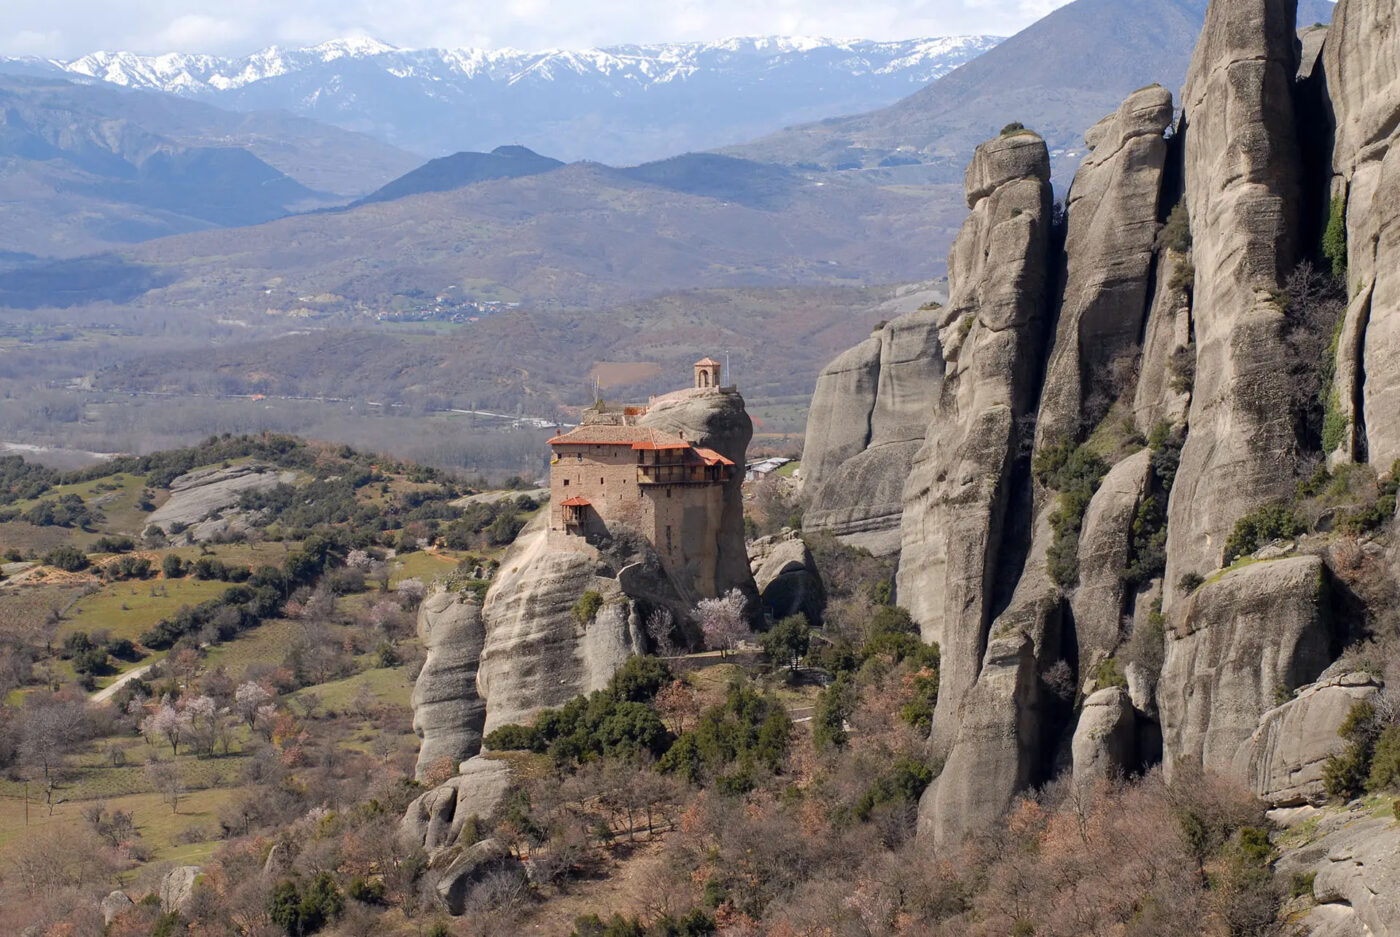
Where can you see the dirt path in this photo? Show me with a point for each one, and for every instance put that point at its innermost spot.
(102, 696)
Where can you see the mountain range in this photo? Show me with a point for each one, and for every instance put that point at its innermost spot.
(624, 104)
(1059, 76)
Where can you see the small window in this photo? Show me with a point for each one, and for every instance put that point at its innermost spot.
(566, 483)
(600, 481)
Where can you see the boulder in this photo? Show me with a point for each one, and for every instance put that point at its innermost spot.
(1243, 169)
(1244, 637)
(177, 888)
(958, 492)
(469, 868)
(786, 576)
(434, 821)
(1283, 760)
(194, 496)
(1105, 739)
(114, 906)
(536, 654)
(448, 713)
(1112, 212)
(1105, 545)
(1363, 85)
(869, 417)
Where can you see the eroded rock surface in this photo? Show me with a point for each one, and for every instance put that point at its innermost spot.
(1361, 57)
(1105, 739)
(1282, 761)
(435, 820)
(448, 713)
(1112, 228)
(177, 888)
(868, 419)
(1354, 858)
(1243, 191)
(1257, 631)
(786, 576)
(959, 488)
(196, 496)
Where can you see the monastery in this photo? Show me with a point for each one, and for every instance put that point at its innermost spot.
(612, 471)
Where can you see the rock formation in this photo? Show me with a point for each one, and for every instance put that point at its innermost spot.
(959, 488)
(1244, 638)
(1282, 760)
(537, 653)
(1243, 193)
(867, 421)
(1355, 868)
(435, 820)
(1182, 339)
(786, 576)
(448, 713)
(203, 501)
(1112, 214)
(1360, 59)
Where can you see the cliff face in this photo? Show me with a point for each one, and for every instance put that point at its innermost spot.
(1171, 361)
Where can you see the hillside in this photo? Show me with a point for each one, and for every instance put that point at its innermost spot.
(622, 105)
(463, 169)
(583, 236)
(87, 167)
(1058, 76)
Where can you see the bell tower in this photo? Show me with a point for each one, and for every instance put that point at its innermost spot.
(707, 373)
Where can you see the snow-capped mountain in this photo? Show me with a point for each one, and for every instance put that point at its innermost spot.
(622, 104)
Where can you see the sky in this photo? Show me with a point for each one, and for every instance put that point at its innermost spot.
(70, 28)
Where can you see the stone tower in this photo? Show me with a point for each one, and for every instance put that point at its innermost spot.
(707, 373)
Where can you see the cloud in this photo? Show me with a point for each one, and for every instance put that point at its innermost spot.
(66, 28)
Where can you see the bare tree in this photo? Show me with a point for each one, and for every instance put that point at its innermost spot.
(165, 778)
(50, 726)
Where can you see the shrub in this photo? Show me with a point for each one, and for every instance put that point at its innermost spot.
(516, 738)
(1182, 365)
(639, 679)
(1190, 582)
(1013, 127)
(904, 782)
(172, 566)
(1110, 673)
(1271, 522)
(1334, 238)
(66, 557)
(587, 607)
(301, 911)
(748, 731)
(1344, 775)
(1183, 278)
(1176, 234)
(1075, 472)
(1385, 761)
(834, 706)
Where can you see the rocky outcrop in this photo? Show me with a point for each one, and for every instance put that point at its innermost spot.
(435, 820)
(203, 501)
(448, 713)
(470, 868)
(1105, 547)
(960, 486)
(1243, 192)
(1363, 84)
(1282, 761)
(1112, 214)
(1355, 866)
(177, 888)
(114, 906)
(537, 653)
(1105, 739)
(1253, 633)
(868, 419)
(786, 576)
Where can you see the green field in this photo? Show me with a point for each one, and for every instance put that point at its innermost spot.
(128, 608)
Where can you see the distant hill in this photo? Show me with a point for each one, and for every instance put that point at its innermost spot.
(88, 167)
(1059, 76)
(464, 169)
(619, 105)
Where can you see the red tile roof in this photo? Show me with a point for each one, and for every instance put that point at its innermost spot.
(712, 457)
(576, 503)
(637, 437)
(707, 363)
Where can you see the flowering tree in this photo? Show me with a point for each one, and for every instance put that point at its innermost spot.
(723, 622)
(411, 592)
(248, 699)
(169, 722)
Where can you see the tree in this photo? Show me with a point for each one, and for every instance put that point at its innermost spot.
(787, 642)
(834, 707)
(248, 699)
(165, 778)
(169, 722)
(723, 621)
(50, 727)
